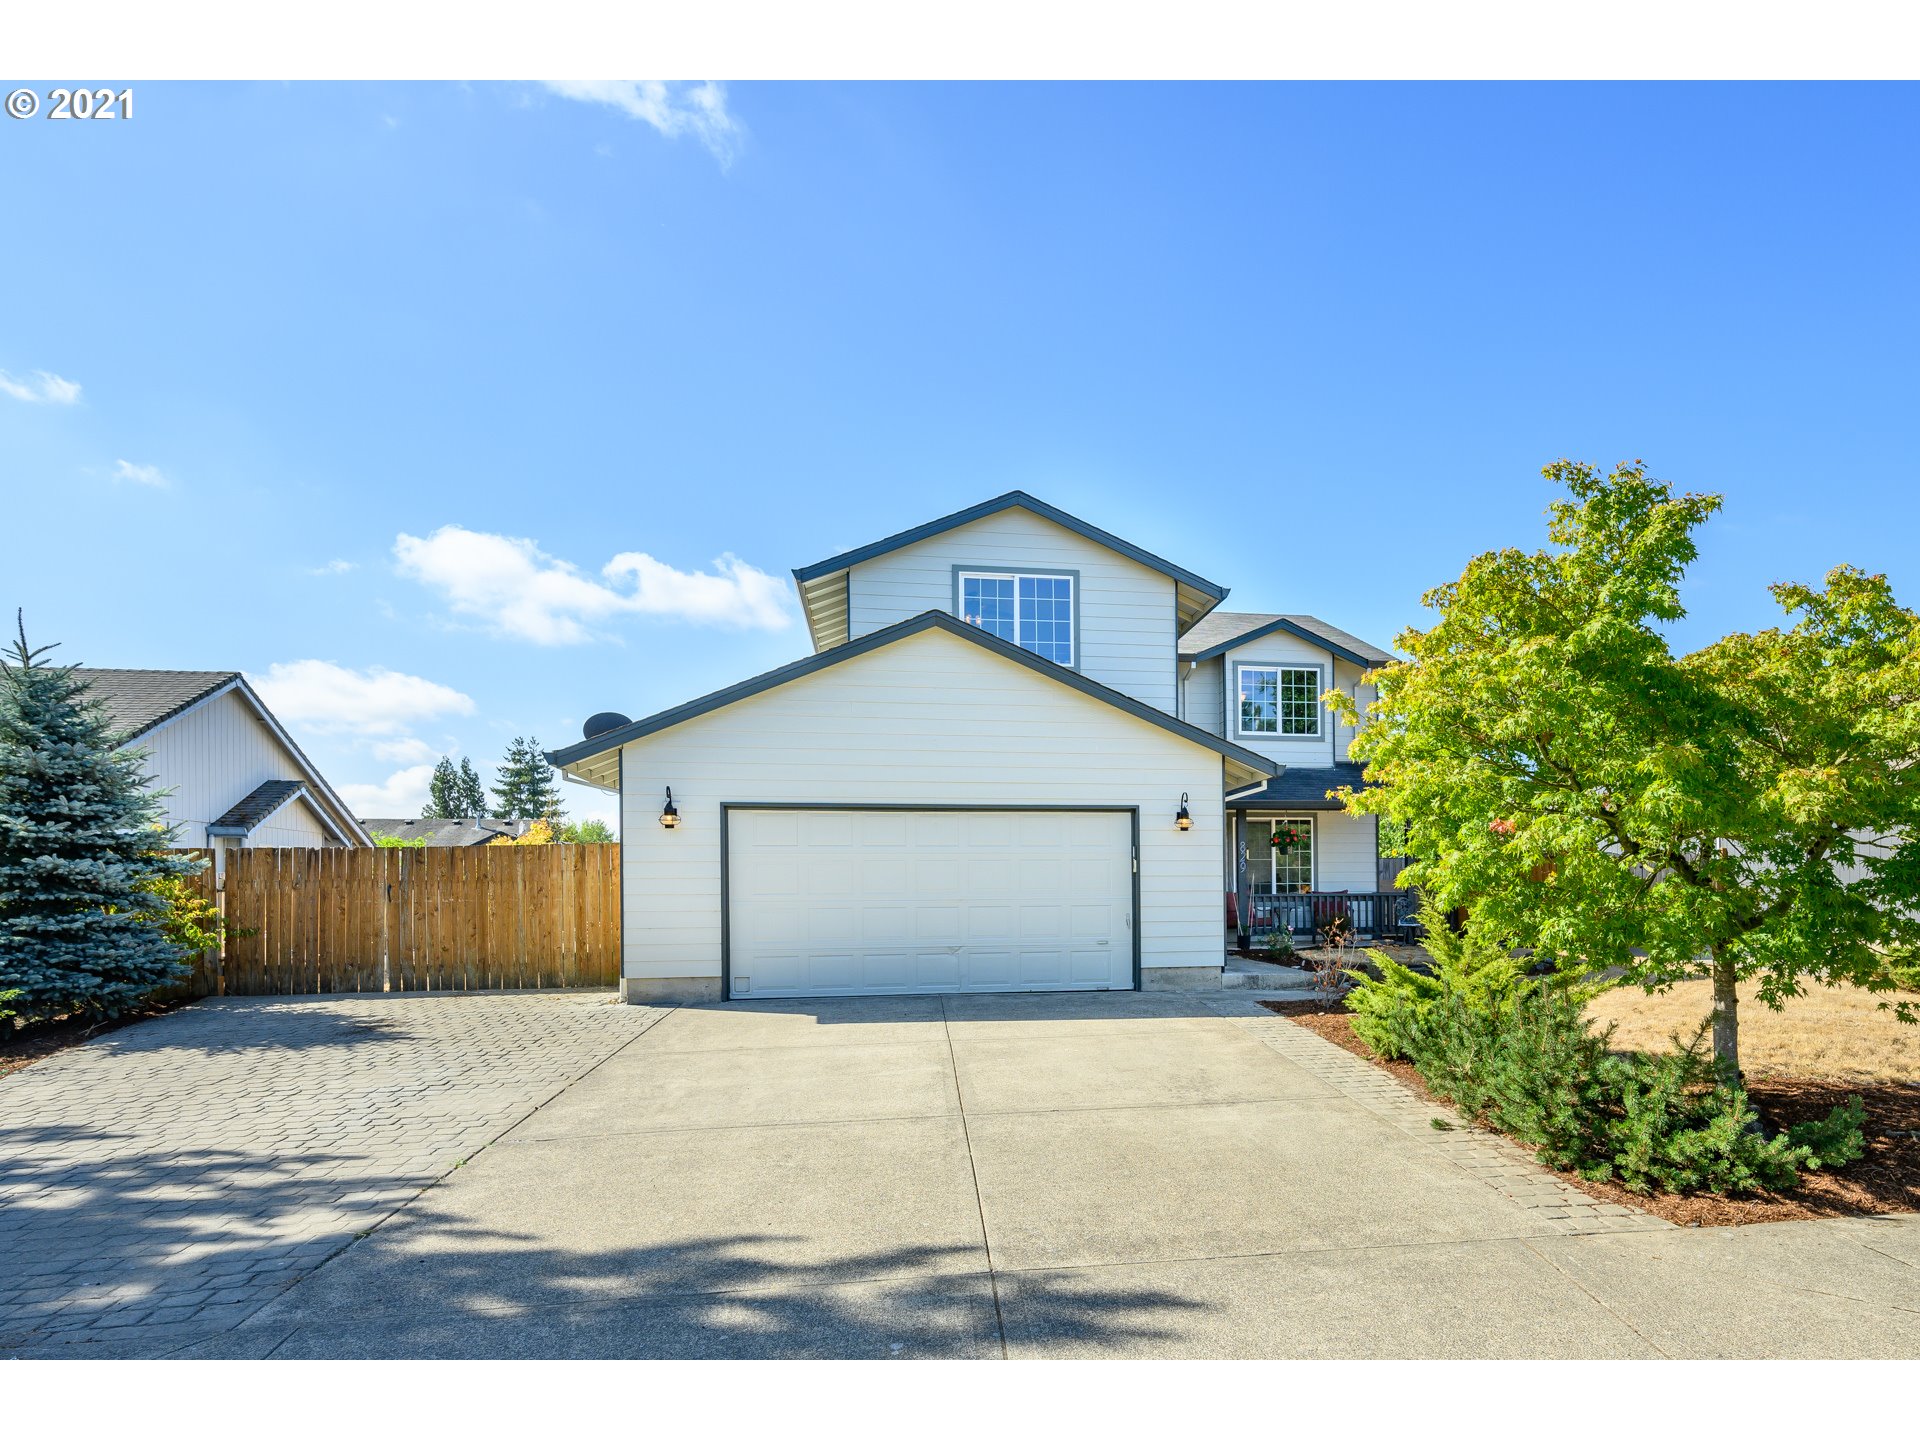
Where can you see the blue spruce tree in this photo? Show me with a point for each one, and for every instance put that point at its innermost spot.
(81, 839)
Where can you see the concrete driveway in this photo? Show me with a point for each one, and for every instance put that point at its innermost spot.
(1027, 1176)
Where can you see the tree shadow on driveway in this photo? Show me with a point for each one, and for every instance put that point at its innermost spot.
(428, 1289)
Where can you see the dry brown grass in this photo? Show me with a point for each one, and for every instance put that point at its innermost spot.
(1839, 1034)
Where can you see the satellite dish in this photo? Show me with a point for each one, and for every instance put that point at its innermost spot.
(606, 720)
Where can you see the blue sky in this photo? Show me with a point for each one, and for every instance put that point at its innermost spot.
(339, 347)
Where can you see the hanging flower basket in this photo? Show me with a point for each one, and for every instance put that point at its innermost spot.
(1285, 839)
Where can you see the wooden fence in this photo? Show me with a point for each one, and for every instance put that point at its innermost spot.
(491, 917)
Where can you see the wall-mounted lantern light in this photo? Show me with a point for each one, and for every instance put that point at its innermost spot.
(669, 817)
(1183, 821)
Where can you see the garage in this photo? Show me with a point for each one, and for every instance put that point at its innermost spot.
(895, 900)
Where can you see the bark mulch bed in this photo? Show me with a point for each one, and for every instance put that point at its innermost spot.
(20, 1048)
(1885, 1181)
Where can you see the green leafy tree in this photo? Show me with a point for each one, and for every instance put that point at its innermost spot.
(1752, 809)
(472, 795)
(443, 792)
(525, 785)
(586, 832)
(85, 882)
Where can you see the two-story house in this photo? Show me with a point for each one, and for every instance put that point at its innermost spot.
(1025, 755)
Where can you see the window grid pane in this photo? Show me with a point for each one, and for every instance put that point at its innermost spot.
(1035, 612)
(1271, 873)
(987, 601)
(1293, 871)
(1299, 702)
(1259, 702)
(1046, 617)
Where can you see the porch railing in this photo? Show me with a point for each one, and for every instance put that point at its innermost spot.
(1373, 914)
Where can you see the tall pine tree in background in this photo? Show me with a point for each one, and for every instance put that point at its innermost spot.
(81, 845)
(526, 784)
(443, 792)
(473, 795)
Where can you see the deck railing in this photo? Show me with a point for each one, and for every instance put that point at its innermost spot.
(1373, 914)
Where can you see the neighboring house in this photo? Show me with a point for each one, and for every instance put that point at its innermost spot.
(446, 833)
(1003, 768)
(230, 775)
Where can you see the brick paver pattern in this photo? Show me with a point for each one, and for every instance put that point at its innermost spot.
(176, 1175)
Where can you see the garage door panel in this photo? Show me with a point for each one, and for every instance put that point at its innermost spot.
(1042, 878)
(876, 902)
(1043, 922)
(939, 924)
(991, 970)
(887, 925)
(828, 828)
(989, 877)
(1089, 965)
(830, 925)
(937, 970)
(989, 924)
(936, 830)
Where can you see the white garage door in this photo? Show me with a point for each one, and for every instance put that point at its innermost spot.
(909, 902)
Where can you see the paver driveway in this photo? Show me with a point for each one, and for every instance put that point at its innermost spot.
(977, 1176)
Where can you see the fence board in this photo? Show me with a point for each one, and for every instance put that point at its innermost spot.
(496, 917)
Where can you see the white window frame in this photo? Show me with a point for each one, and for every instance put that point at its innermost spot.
(1280, 667)
(1072, 578)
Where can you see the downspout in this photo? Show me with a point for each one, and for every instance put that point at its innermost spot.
(1180, 699)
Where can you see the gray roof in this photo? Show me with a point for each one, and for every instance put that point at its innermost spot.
(1224, 629)
(928, 620)
(1301, 789)
(257, 806)
(138, 700)
(456, 831)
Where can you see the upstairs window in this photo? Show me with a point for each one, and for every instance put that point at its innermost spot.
(1281, 701)
(1034, 612)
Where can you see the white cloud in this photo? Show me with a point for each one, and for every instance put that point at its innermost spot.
(148, 475)
(517, 589)
(405, 749)
(403, 793)
(332, 567)
(672, 109)
(331, 699)
(44, 389)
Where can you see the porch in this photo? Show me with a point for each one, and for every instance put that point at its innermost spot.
(1309, 866)
(1372, 915)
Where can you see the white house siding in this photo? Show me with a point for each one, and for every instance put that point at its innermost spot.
(932, 719)
(213, 757)
(1279, 648)
(1126, 610)
(1204, 698)
(1346, 676)
(293, 824)
(1343, 851)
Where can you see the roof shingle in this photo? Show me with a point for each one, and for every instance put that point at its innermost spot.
(261, 802)
(138, 700)
(447, 833)
(1301, 789)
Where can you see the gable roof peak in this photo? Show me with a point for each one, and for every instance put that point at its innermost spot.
(823, 584)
